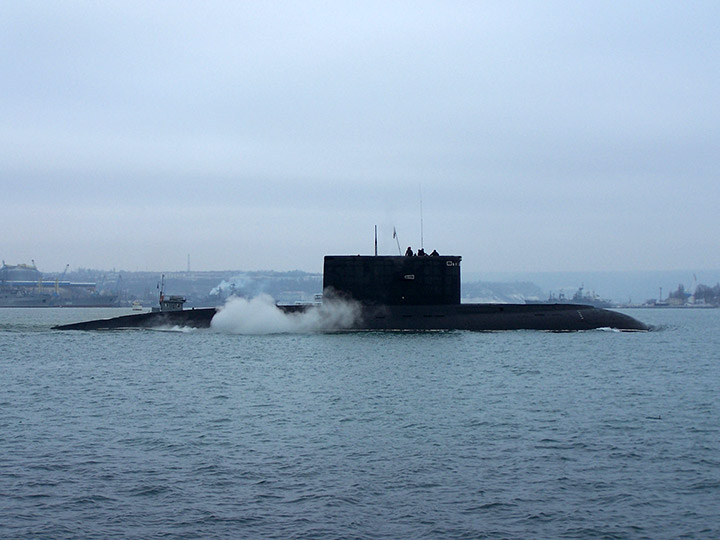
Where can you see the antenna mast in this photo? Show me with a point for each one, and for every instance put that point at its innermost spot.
(422, 239)
(376, 240)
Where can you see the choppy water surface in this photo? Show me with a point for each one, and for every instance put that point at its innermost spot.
(201, 434)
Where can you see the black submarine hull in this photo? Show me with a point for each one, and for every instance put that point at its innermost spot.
(192, 318)
(474, 317)
(498, 317)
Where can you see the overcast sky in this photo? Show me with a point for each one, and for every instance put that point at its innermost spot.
(264, 135)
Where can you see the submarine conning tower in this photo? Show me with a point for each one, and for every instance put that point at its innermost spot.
(393, 280)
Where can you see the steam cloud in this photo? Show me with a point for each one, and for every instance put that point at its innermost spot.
(260, 315)
(240, 283)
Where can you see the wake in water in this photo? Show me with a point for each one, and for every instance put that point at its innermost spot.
(260, 315)
(176, 329)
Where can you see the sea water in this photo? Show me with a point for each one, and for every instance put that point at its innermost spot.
(204, 434)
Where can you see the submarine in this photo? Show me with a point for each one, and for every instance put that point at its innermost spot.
(399, 293)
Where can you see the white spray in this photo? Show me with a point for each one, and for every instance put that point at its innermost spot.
(260, 315)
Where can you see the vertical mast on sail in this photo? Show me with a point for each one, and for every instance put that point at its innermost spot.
(422, 239)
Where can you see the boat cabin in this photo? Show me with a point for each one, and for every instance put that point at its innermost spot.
(172, 303)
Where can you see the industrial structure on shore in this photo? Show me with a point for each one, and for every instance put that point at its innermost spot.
(23, 285)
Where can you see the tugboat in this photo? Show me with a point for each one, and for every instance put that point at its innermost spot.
(394, 292)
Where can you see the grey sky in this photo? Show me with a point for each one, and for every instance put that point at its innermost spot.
(255, 135)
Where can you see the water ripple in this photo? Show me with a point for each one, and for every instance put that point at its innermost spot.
(369, 436)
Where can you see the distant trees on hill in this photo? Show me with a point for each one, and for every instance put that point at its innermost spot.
(680, 293)
(711, 295)
(703, 294)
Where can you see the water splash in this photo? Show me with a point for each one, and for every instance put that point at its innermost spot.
(176, 329)
(260, 315)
